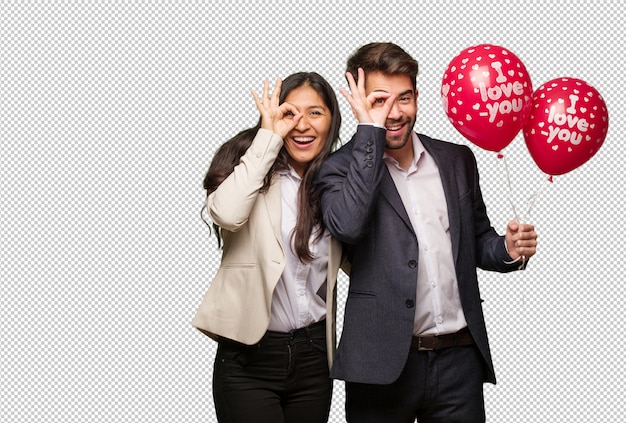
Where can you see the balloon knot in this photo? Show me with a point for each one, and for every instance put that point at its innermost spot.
(550, 179)
(500, 155)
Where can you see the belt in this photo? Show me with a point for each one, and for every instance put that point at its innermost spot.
(437, 342)
(314, 331)
(305, 334)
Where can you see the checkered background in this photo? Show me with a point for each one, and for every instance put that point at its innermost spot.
(110, 112)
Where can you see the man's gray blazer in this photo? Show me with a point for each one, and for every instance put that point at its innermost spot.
(362, 208)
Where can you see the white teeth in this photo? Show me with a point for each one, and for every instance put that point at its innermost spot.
(394, 128)
(303, 139)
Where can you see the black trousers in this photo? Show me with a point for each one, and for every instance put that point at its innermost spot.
(443, 386)
(282, 379)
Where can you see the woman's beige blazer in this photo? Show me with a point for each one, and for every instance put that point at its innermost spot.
(237, 304)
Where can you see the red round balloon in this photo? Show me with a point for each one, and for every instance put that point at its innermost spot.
(486, 93)
(567, 125)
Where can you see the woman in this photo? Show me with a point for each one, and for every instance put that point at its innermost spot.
(271, 305)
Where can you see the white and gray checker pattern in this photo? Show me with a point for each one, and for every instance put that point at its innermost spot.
(109, 115)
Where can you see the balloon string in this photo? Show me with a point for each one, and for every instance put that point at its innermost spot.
(516, 215)
(531, 203)
(508, 183)
(519, 259)
(533, 198)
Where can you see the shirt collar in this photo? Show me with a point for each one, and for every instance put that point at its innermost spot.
(418, 150)
(290, 172)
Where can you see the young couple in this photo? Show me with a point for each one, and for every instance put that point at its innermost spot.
(400, 212)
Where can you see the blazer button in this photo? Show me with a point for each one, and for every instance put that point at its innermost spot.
(409, 303)
(412, 264)
(369, 164)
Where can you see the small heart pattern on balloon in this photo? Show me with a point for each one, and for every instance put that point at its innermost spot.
(486, 93)
(567, 125)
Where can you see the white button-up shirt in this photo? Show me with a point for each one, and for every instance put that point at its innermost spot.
(438, 304)
(296, 302)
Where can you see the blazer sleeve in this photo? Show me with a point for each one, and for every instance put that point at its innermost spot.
(491, 251)
(349, 182)
(230, 204)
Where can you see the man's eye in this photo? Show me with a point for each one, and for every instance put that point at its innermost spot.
(288, 114)
(380, 101)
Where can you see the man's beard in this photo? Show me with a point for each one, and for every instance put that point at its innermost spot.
(396, 143)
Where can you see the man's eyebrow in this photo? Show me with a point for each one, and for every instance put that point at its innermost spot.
(403, 93)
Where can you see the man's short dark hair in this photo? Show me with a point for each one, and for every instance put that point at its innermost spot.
(387, 58)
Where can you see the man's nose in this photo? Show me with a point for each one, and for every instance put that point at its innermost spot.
(395, 112)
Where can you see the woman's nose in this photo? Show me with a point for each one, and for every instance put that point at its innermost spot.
(303, 124)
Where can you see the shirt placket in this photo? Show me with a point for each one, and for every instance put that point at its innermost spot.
(429, 260)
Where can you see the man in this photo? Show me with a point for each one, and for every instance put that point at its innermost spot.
(410, 212)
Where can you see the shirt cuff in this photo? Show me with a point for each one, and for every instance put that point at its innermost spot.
(373, 124)
(520, 259)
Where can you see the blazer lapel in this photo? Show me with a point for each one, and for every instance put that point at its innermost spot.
(389, 191)
(273, 207)
(448, 180)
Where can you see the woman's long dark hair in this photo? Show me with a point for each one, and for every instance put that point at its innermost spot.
(309, 213)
